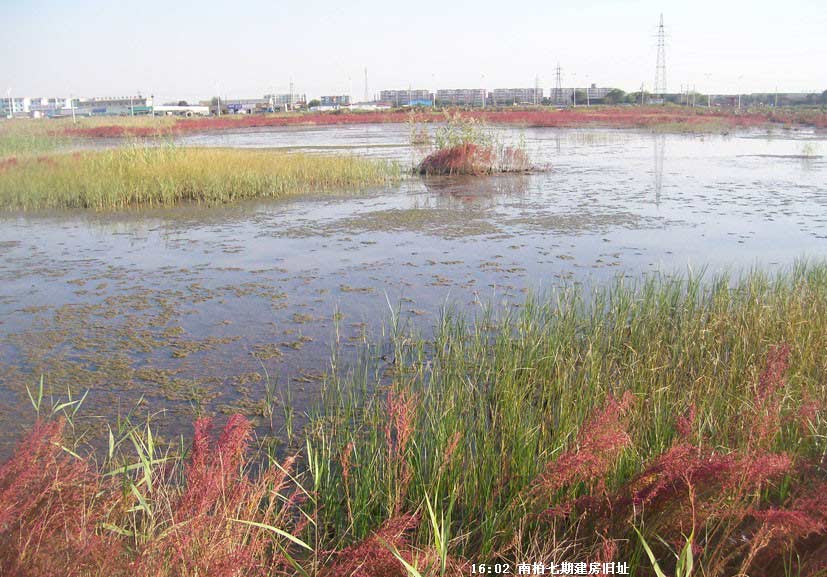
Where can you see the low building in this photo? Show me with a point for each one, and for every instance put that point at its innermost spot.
(594, 92)
(16, 106)
(334, 101)
(569, 96)
(245, 105)
(370, 106)
(35, 107)
(515, 96)
(400, 98)
(113, 106)
(460, 97)
(181, 110)
(291, 101)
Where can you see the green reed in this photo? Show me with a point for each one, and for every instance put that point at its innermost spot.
(147, 176)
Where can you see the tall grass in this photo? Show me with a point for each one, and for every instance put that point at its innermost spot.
(523, 428)
(675, 423)
(146, 176)
(26, 137)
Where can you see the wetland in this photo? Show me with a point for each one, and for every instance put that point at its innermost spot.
(214, 310)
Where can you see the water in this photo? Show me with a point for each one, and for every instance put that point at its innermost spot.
(191, 309)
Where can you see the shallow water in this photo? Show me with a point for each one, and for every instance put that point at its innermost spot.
(191, 309)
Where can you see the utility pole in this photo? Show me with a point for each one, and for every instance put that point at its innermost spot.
(660, 67)
(72, 104)
(367, 98)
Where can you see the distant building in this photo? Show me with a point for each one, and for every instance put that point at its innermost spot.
(291, 101)
(408, 97)
(512, 96)
(460, 97)
(245, 105)
(594, 92)
(182, 110)
(35, 107)
(114, 106)
(16, 106)
(566, 96)
(334, 101)
(370, 106)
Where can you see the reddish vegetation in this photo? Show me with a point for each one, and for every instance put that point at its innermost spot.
(693, 487)
(373, 556)
(614, 117)
(465, 158)
(204, 538)
(53, 507)
(6, 163)
(50, 508)
(747, 509)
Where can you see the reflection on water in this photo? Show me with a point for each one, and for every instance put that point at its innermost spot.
(659, 141)
(188, 307)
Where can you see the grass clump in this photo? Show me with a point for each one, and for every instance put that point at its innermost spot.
(465, 145)
(143, 176)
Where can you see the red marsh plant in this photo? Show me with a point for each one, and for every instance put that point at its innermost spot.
(466, 145)
(60, 516)
(401, 407)
(52, 504)
(747, 509)
(225, 522)
(377, 555)
(606, 116)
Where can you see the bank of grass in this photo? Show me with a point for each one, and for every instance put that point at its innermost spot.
(145, 176)
(670, 118)
(690, 410)
(23, 137)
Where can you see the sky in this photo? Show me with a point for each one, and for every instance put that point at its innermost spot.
(193, 50)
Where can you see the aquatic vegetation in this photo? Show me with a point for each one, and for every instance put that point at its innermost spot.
(469, 146)
(144, 511)
(600, 427)
(681, 119)
(468, 158)
(20, 138)
(558, 430)
(147, 176)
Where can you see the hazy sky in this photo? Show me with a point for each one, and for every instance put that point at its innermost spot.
(175, 49)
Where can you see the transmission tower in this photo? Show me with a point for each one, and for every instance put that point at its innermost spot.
(558, 85)
(659, 88)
